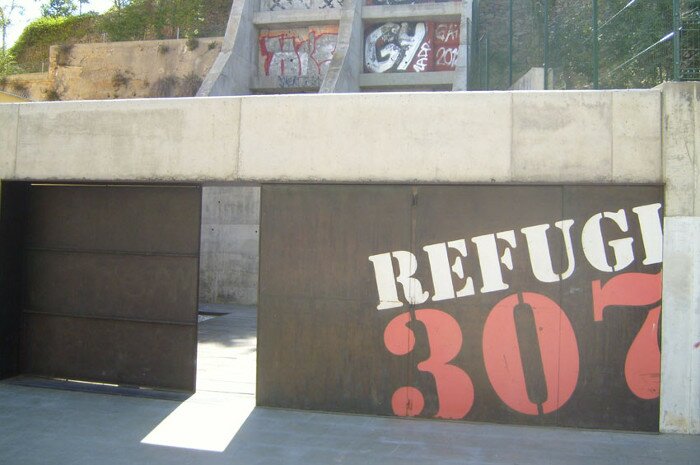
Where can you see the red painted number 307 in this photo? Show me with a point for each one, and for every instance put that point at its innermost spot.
(558, 350)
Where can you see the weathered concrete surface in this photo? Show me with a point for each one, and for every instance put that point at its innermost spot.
(9, 119)
(680, 352)
(532, 80)
(562, 134)
(461, 72)
(33, 86)
(228, 265)
(439, 11)
(608, 136)
(636, 137)
(681, 148)
(344, 70)
(127, 140)
(398, 80)
(377, 137)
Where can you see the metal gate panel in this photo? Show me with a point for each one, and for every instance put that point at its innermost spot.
(12, 213)
(111, 279)
(513, 304)
(316, 349)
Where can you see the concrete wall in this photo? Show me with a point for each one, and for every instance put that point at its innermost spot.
(228, 267)
(111, 70)
(602, 137)
(32, 86)
(274, 46)
(680, 363)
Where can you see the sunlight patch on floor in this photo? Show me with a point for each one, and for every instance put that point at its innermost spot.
(206, 421)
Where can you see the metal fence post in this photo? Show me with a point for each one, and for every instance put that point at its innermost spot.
(546, 44)
(596, 55)
(510, 45)
(676, 40)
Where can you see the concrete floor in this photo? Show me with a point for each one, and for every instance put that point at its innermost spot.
(219, 425)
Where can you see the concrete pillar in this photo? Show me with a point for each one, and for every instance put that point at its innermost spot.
(680, 326)
(233, 69)
(461, 77)
(344, 71)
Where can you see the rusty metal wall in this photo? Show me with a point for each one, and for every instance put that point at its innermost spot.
(12, 213)
(527, 305)
(110, 284)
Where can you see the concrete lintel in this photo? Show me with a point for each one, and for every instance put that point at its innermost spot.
(286, 83)
(435, 78)
(295, 18)
(447, 11)
(680, 326)
(180, 140)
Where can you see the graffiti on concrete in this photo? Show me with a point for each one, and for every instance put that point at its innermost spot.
(303, 54)
(411, 47)
(277, 5)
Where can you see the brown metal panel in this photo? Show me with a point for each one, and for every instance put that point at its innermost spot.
(12, 213)
(139, 287)
(605, 397)
(507, 325)
(315, 346)
(109, 351)
(111, 282)
(151, 219)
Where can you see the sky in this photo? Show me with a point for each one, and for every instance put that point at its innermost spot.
(32, 11)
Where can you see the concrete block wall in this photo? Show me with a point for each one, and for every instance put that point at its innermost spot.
(602, 137)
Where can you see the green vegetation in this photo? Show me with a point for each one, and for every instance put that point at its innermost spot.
(126, 20)
(8, 65)
(58, 8)
(32, 47)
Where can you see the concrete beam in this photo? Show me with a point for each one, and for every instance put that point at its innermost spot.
(434, 78)
(295, 18)
(127, 140)
(443, 11)
(608, 136)
(428, 137)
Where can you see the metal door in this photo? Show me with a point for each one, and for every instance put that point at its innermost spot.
(532, 305)
(110, 284)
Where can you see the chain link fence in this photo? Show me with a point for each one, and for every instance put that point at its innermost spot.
(585, 44)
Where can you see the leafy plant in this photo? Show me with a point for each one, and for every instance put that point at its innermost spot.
(52, 95)
(164, 87)
(190, 84)
(192, 43)
(119, 80)
(8, 65)
(63, 54)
